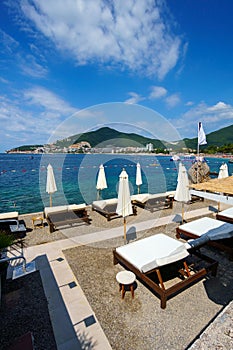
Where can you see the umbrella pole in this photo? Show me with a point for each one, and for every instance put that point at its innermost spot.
(50, 201)
(125, 229)
(138, 189)
(98, 195)
(182, 213)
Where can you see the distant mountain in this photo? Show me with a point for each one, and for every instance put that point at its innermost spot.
(216, 138)
(107, 137)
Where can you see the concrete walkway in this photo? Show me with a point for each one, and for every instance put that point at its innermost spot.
(74, 322)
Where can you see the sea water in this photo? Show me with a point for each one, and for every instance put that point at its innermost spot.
(23, 177)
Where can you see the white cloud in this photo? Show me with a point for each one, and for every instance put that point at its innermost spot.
(189, 103)
(173, 100)
(220, 106)
(31, 116)
(14, 53)
(130, 34)
(157, 92)
(4, 81)
(48, 101)
(213, 118)
(29, 66)
(7, 43)
(135, 98)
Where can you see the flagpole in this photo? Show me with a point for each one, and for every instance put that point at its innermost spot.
(198, 150)
(201, 140)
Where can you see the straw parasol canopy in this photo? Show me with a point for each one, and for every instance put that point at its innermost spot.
(138, 176)
(124, 206)
(50, 184)
(101, 180)
(224, 185)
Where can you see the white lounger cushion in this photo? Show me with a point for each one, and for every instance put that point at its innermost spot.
(227, 212)
(151, 252)
(215, 229)
(102, 203)
(11, 215)
(141, 197)
(49, 210)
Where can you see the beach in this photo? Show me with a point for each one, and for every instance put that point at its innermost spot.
(140, 322)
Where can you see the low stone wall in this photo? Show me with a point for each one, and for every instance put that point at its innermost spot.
(219, 334)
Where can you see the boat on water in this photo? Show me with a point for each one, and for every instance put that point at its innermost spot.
(175, 158)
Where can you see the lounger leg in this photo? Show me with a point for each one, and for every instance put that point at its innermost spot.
(122, 291)
(132, 290)
(160, 279)
(187, 269)
(163, 302)
(177, 234)
(51, 228)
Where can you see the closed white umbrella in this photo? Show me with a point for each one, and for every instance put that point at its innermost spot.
(138, 176)
(223, 171)
(50, 184)
(182, 190)
(124, 206)
(101, 180)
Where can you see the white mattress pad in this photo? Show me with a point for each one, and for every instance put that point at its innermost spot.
(10, 215)
(227, 212)
(215, 229)
(102, 203)
(152, 252)
(69, 207)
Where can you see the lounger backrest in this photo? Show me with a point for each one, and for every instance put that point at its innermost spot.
(11, 215)
(63, 208)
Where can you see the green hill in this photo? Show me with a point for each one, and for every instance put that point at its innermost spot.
(107, 137)
(217, 141)
(217, 138)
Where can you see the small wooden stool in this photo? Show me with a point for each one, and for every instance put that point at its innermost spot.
(38, 221)
(126, 278)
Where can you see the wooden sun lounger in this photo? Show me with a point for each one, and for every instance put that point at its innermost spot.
(67, 217)
(189, 271)
(154, 202)
(225, 244)
(108, 210)
(225, 215)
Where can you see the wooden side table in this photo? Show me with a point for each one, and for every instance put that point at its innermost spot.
(126, 278)
(37, 221)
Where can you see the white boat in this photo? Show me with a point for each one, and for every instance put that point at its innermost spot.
(175, 158)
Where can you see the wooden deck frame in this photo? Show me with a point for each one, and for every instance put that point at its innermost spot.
(159, 289)
(68, 217)
(225, 245)
(109, 211)
(224, 218)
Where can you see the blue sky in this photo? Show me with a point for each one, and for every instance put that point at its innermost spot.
(138, 65)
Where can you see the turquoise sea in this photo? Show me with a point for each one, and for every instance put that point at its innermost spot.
(23, 177)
